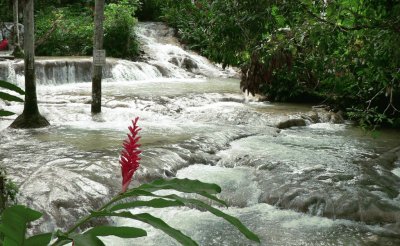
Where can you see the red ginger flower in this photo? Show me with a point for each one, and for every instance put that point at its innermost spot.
(129, 159)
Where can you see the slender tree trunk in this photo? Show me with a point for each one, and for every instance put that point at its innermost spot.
(31, 106)
(17, 48)
(98, 45)
(30, 117)
(3, 195)
(16, 29)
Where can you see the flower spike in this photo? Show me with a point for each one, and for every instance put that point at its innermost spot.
(129, 158)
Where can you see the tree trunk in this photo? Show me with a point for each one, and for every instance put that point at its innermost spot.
(17, 48)
(98, 45)
(3, 191)
(30, 117)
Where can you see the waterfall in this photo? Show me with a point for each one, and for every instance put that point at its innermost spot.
(164, 58)
(318, 184)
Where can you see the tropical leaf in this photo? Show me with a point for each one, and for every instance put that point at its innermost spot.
(153, 221)
(182, 185)
(12, 87)
(5, 113)
(39, 240)
(122, 232)
(154, 203)
(8, 97)
(199, 204)
(86, 240)
(14, 223)
(232, 220)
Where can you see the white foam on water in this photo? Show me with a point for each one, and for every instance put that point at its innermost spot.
(328, 126)
(129, 71)
(273, 226)
(396, 171)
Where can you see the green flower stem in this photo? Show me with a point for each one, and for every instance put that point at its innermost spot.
(90, 216)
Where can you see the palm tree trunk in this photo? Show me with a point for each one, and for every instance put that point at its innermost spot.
(98, 45)
(30, 117)
(17, 48)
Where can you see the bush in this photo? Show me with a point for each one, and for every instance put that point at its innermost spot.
(344, 51)
(119, 35)
(68, 31)
(150, 10)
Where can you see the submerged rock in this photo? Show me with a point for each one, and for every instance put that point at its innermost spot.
(317, 115)
(184, 62)
(291, 122)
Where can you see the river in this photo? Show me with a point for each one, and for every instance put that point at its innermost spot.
(318, 184)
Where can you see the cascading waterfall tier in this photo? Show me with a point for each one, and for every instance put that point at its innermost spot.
(164, 58)
(317, 184)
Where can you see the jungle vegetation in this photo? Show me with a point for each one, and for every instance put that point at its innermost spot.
(342, 53)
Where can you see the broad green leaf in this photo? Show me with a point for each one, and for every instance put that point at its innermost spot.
(8, 85)
(154, 203)
(14, 223)
(135, 192)
(9, 238)
(38, 240)
(8, 97)
(214, 198)
(86, 240)
(5, 113)
(123, 232)
(234, 221)
(182, 185)
(153, 221)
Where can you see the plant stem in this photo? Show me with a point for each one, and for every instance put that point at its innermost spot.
(90, 216)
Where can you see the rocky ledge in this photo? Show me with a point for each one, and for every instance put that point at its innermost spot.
(319, 114)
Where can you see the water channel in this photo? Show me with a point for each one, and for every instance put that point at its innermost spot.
(318, 184)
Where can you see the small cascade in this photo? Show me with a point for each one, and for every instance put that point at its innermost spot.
(164, 58)
(164, 50)
(54, 71)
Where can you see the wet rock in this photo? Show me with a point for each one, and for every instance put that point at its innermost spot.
(163, 70)
(189, 64)
(323, 115)
(311, 116)
(290, 123)
(184, 62)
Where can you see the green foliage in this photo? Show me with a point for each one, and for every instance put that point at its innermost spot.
(64, 31)
(68, 30)
(345, 51)
(149, 10)
(8, 97)
(14, 230)
(14, 222)
(119, 34)
(5, 11)
(8, 191)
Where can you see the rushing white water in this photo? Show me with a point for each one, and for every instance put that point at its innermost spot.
(164, 50)
(165, 59)
(310, 185)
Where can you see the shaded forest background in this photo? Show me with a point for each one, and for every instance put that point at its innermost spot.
(342, 53)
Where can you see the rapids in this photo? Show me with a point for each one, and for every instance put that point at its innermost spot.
(319, 184)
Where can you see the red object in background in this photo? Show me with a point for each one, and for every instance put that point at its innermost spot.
(4, 44)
